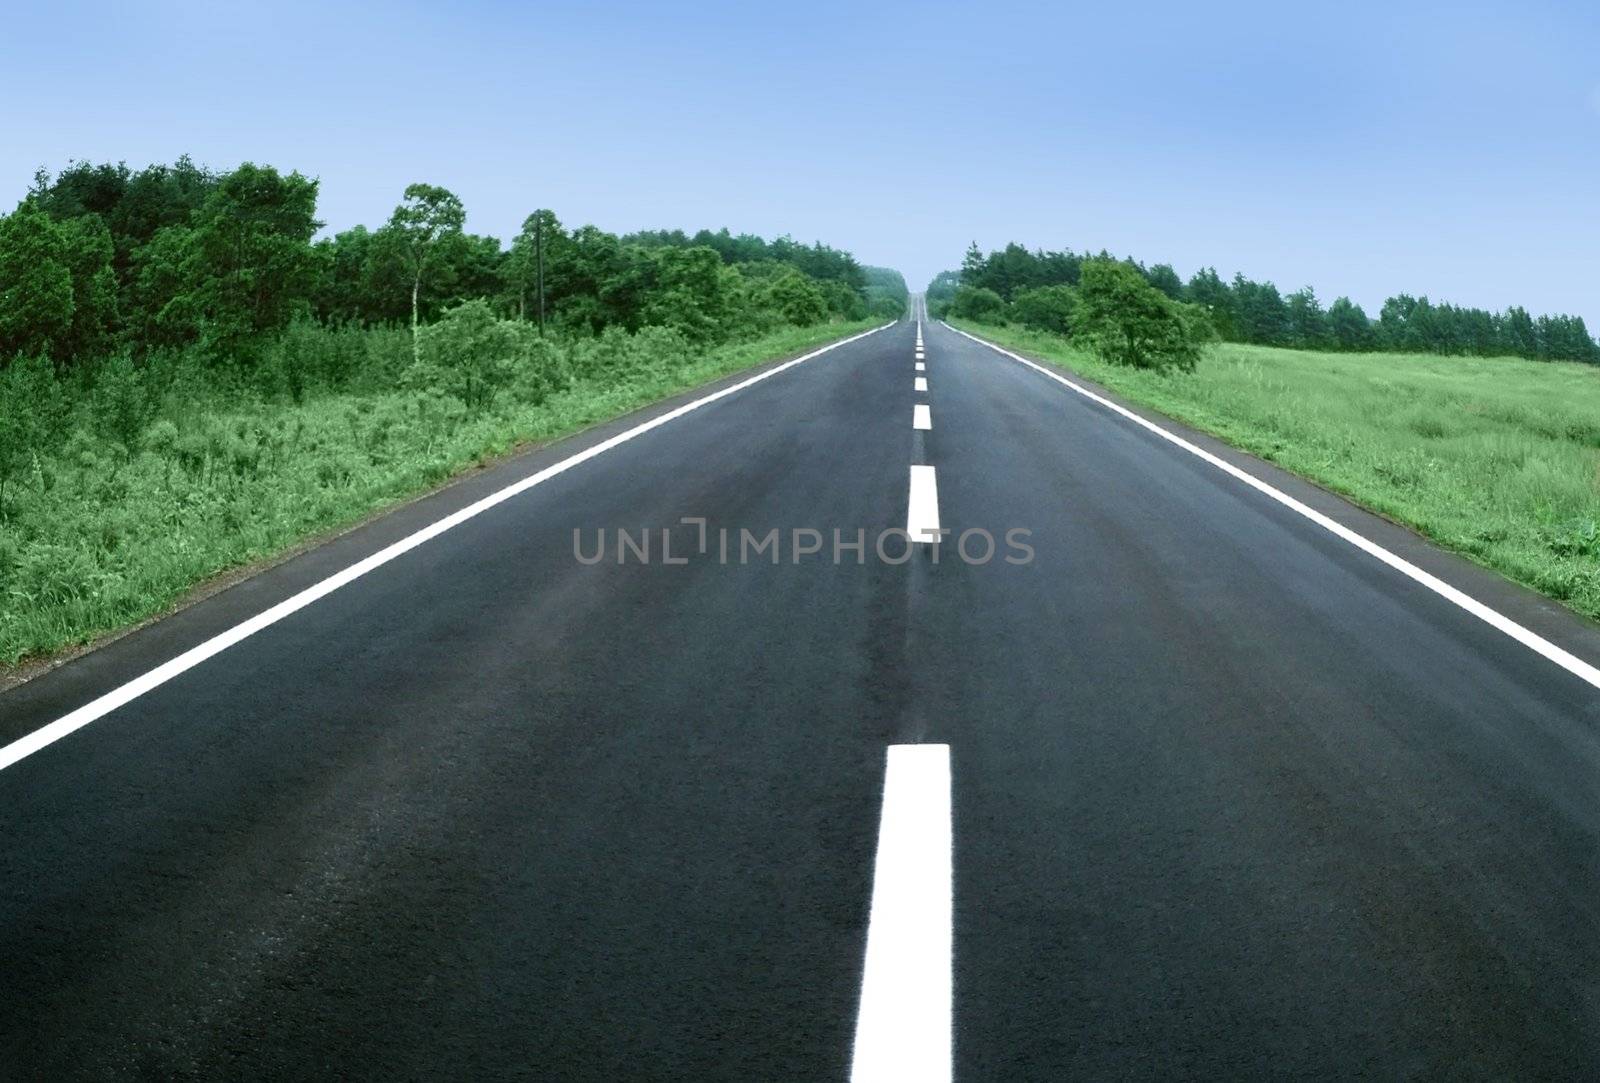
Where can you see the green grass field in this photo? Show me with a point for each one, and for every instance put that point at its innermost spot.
(98, 539)
(1495, 458)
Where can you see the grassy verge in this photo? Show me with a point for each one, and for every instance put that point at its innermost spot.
(101, 538)
(1495, 458)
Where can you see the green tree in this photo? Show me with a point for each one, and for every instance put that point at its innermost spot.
(1047, 308)
(1165, 279)
(692, 294)
(796, 298)
(1127, 321)
(468, 353)
(940, 292)
(88, 254)
(247, 265)
(1348, 325)
(1308, 323)
(426, 216)
(1207, 289)
(35, 284)
(527, 268)
(1259, 312)
(31, 410)
(977, 303)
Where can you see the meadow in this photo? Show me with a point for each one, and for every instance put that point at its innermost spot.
(113, 527)
(1495, 458)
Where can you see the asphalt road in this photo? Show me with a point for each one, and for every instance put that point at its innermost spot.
(1227, 796)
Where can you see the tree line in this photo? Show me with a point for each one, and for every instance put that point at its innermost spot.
(101, 258)
(1034, 287)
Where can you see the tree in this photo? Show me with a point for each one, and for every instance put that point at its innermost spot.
(1308, 323)
(796, 298)
(886, 293)
(31, 408)
(524, 268)
(1518, 335)
(977, 303)
(1127, 321)
(1165, 279)
(1210, 292)
(427, 215)
(1348, 325)
(691, 294)
(247, 265)
(35, 284)
(468, 353)
(1047, 308)
(88, 254)
(940, 292)
(1260, 314)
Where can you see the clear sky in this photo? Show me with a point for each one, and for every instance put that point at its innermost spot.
(1363, 148)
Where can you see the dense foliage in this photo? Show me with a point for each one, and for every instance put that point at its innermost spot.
(1127, 321)
(1246, 311)
(102, 257)
(111, 277)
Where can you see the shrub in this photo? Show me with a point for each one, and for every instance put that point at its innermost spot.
(469, 354)
(1047, 308)
(976, 303)
(796, 299)
(31, 411)
(1127, 321)
(120, 404)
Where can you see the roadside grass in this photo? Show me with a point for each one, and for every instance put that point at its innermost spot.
(1494, 458)
(100, 538)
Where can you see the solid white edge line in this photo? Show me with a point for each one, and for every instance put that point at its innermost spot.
(97, 708)
(921, 416)
(922, 505)
(1528, 638)
(903, 1027)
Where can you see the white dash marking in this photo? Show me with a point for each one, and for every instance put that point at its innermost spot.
(921, 367)
(903, 1029)
(922, 505)
(921, 417)
(920, 384)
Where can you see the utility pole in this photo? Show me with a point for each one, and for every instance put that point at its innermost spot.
(538, 248)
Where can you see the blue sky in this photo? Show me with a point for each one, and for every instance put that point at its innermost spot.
(1361, 148)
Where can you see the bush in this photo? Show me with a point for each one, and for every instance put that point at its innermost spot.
(31, 412)
(1047, 308)
(1127, 321)
(976, 303)
(121, 404)
(796, 299)
(469, 354)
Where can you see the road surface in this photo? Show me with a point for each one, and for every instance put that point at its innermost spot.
(1193, 787)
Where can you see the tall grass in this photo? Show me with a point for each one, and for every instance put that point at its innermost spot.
(212, 472)
(1495, 458)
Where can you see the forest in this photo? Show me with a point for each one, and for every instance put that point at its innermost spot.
(1035, 288)
(193, 377)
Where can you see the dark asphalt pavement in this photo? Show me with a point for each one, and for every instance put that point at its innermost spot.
(1230, 797)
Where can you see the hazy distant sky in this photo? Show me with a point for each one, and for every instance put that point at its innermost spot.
(1451, 149)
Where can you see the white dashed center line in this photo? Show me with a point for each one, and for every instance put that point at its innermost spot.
(903, 1029)
(922, 505)
(921, 384)
(921, 417)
